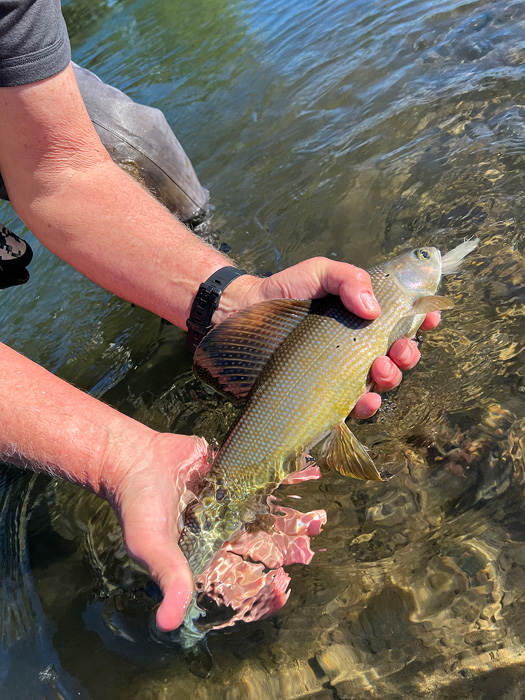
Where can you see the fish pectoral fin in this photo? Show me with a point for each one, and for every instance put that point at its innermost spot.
(427, 304)
(343, 452)
(233, 354)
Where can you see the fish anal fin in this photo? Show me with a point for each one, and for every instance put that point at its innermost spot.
(233, 354)
(427, 304)
(343, 452)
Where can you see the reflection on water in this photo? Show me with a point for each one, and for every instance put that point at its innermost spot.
(339, 128)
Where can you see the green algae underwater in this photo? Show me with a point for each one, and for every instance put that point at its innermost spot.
(347, 129)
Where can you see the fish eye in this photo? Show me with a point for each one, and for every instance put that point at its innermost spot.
(422, 254)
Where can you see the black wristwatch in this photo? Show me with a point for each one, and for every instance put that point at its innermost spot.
(205, 303)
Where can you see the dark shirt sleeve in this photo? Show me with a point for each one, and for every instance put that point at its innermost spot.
(33, 41)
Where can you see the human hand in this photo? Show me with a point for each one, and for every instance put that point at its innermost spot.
(149, 497)
(152, 493)
(316, 278)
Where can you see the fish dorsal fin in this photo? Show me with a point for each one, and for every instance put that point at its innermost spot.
(232, 355)
(343, 452)
(427, 304)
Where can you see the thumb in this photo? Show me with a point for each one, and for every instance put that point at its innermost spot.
(176, 581)
(168, 567)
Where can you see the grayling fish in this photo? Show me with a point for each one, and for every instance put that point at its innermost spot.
(299, 367)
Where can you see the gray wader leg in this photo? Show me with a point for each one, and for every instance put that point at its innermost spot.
(140, 140)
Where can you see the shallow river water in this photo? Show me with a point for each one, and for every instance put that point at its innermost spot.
(343, 128)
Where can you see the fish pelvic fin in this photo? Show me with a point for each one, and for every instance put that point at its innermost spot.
(343, 452)
(427, 304)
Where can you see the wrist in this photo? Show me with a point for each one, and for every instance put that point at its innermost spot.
(53, 427)
(125, 448)
(237, 295)
(205, 311)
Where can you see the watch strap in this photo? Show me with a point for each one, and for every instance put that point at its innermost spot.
(205, 302)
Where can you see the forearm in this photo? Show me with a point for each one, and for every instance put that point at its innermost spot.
(90, 213)
(108, 227)
(50, 426)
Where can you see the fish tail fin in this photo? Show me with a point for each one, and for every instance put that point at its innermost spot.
(189, 635)
(451, 261)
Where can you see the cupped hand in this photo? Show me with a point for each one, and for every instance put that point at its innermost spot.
(315, 278)
(149, 499)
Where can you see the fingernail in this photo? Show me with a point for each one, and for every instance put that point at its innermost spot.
(369, 302)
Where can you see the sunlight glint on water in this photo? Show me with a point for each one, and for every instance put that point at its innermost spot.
(346, 129)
